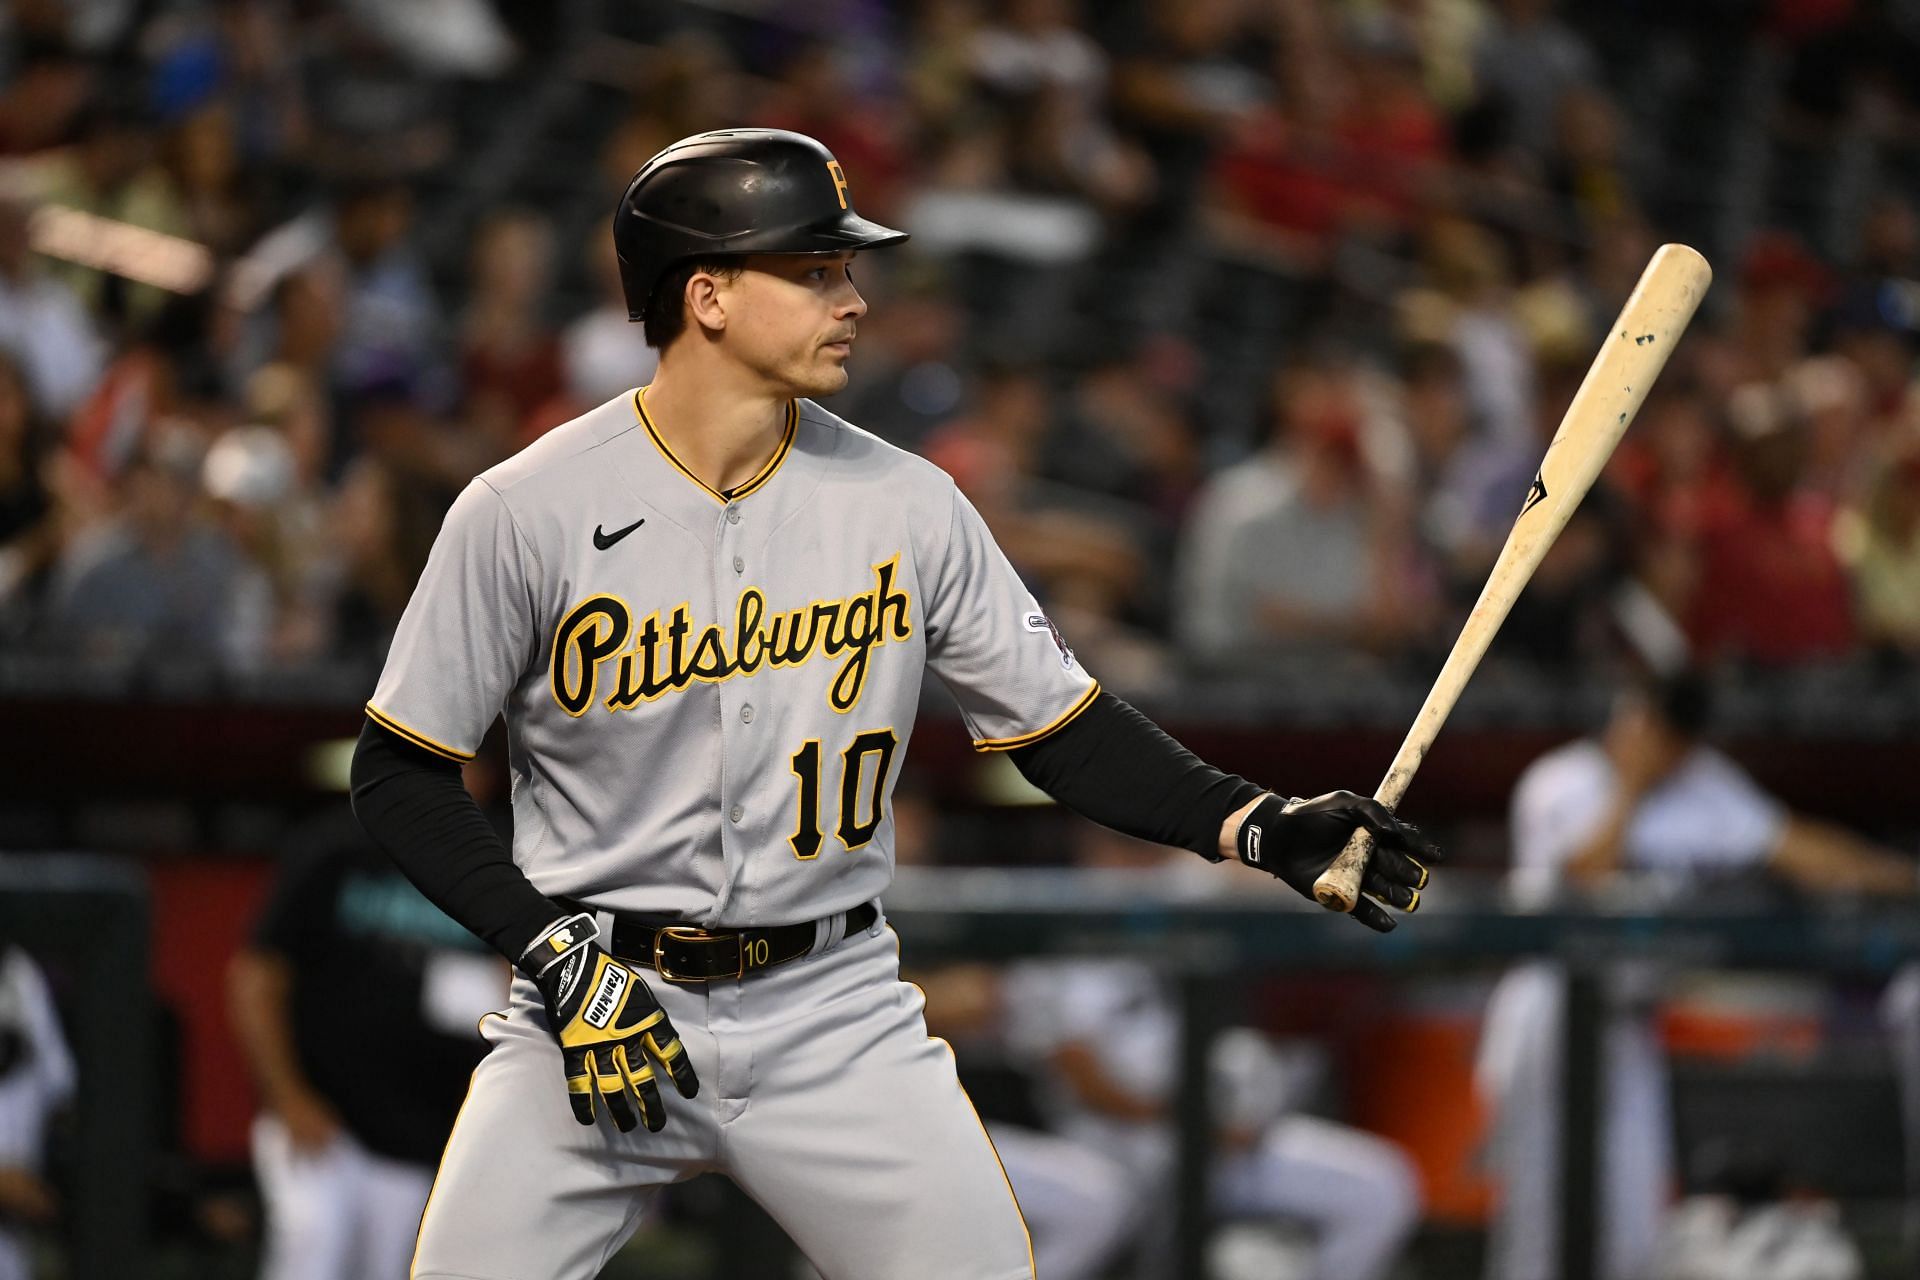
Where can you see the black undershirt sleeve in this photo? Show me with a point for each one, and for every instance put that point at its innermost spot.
(1115, 766)
(416, 807)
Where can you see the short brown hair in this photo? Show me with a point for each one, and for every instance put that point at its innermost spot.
(666, 315)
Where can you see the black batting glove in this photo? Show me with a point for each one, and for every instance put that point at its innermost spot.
(1296, 840)
(610, 1028)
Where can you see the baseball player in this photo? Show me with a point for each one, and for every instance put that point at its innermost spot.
(344, 1147)
(705, 609)
(1649, 798)
(37, 1079)
(1102, 1035)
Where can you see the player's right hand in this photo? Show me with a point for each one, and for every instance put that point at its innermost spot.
(610, 1028)
(1296, 840)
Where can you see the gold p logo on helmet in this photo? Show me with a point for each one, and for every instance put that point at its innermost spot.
(839, 181)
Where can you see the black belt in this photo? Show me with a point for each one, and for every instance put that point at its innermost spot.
(689, 953)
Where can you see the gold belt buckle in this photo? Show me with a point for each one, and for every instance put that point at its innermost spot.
(692, 933)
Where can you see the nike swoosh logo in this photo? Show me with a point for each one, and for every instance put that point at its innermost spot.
(603, 540)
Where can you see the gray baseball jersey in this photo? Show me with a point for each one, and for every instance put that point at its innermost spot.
(708, 695)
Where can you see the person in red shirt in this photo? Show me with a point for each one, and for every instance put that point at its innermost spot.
(1771, 588)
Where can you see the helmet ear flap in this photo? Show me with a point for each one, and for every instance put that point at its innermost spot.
(639, 292)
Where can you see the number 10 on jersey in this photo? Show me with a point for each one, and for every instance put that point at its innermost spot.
(853, 827)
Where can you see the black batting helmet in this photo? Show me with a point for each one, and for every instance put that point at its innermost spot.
(731, 192)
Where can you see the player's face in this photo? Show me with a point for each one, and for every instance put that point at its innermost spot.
(795, 321)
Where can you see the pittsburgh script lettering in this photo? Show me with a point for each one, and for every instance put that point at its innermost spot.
(662, 653)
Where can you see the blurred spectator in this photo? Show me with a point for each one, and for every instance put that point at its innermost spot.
(1674, 473)
(1126, 430)
(171, 370)
(382, 525)
(1877, 319)
(1770, 588)
(938, 75)
(45, 76)
(29, 533)
(440, 37)
(994, 454)
(1470, 484)
(1292, 553)
(993, 448)
(298, 334)
(265, 481)
(1444, 32)
(1347, 151)
(1647, 800)
(816, 95)
(160, 581)
(1528, 59)
(689, 83)
(603, 353)
(907, 378)
(355, 1004)
(203, 159)
(374, 118)
(42, 323)
(113, 171)
(37, 1079)
(1182, 86)
(1467, 302)
(1782, 287)
(1829, 394)
(1048, 80)
(1587, 171)
(1879, 541)
(510, 356)
(391, 328)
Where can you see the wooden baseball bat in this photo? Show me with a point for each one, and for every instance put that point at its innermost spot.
(1636, 348)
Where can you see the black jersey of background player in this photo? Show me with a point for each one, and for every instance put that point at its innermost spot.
(358, 938)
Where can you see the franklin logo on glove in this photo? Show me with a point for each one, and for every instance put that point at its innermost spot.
(605, 1000)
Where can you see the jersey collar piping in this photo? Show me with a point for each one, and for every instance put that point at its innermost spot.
(760, 478)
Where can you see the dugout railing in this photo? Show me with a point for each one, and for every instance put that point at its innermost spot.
(1213, 946)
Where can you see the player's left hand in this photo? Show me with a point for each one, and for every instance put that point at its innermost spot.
(1296, 840)
(610, 1028)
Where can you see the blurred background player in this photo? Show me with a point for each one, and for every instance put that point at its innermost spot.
(1647, 800)
(1078, 1204)
(36, 1081)
(1102, 1037)
(356, 1004)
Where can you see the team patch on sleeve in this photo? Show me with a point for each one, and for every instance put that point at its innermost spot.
(1041, 622)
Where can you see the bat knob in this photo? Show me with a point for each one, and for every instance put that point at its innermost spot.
(1338, 887)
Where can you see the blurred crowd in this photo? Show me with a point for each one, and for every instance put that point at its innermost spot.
(1244, 322)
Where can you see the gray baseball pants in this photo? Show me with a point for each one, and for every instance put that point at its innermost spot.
(821, 1095)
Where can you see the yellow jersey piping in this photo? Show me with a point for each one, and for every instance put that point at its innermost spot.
(414, 736)
(413, 1263)
(760, 477)
(1019, 1214)
(1008, 744)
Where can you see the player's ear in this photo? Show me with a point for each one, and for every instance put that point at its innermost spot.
(706, 301)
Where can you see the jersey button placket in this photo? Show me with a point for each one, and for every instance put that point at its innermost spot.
(733, 784)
